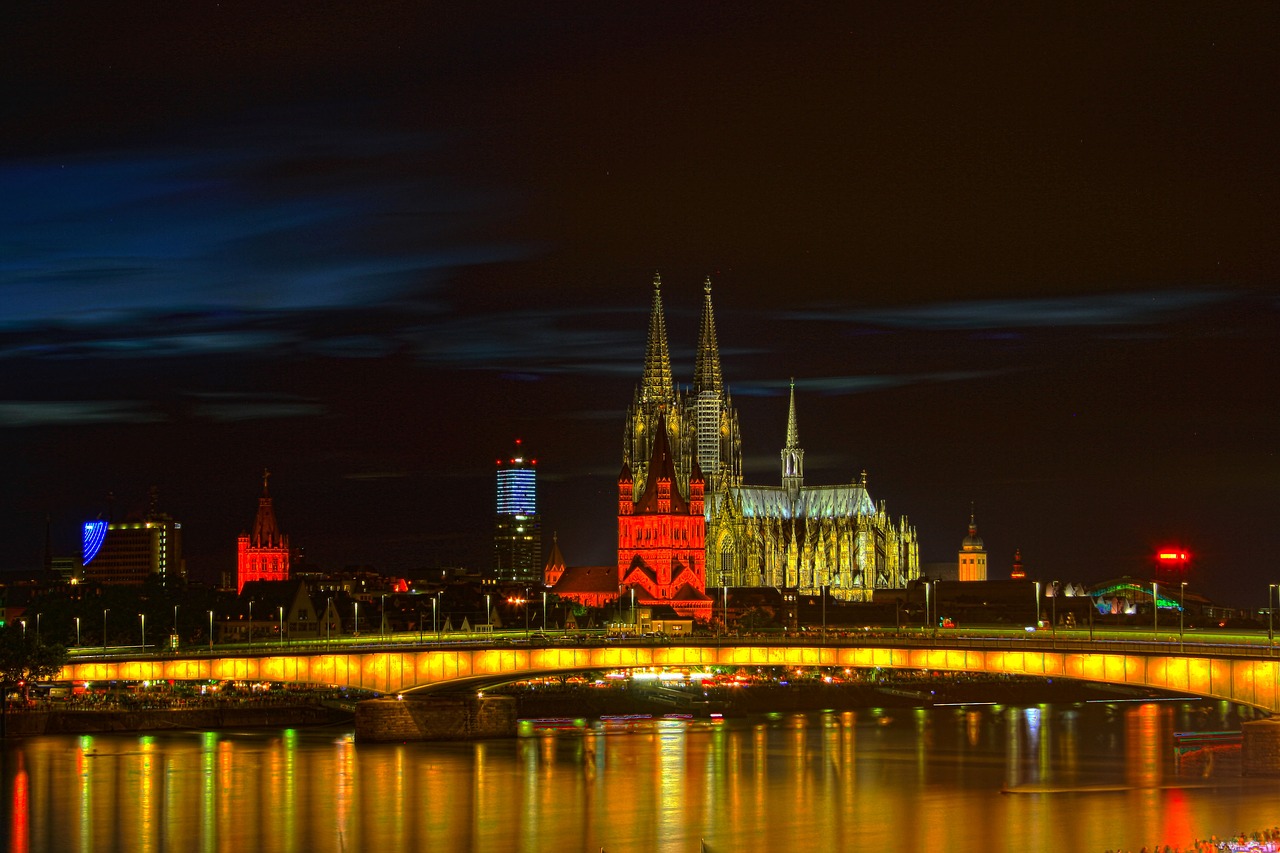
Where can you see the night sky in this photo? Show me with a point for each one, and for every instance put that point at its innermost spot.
(1014, 256)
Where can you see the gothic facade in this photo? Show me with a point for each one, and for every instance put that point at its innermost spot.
(790, 535)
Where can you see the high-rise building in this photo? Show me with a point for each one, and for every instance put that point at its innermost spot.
(517, 530)
(263, 554)
(142, 547)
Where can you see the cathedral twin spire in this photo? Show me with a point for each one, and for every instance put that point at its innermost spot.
(656, 387)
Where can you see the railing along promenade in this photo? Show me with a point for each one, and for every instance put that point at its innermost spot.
(1237, 668)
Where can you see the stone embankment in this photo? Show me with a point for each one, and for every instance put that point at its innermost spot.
(30, 723)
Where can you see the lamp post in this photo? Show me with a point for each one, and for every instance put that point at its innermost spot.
(251, 623)
(633, 609)
(488, 614)
(175, 620)
(355, 607)
(1155, 612)
(77, 630)
(1182, 616)
(824, 613)
(38, 615)
(927, 599)
(1053, 627)
(1036, 620)
(544, 610)
(142, 619)
(328, 606)
(434, 600)
(1271, 632)
(211, 631)
(382, 608)
(935, 606)
(726, 609)
(23, 623)
(526, 612)
(281, 625)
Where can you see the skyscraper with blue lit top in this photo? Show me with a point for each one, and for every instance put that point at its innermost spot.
(517, 536)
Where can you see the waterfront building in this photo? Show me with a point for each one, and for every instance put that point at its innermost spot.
(145, 546)
(517, 533)
(786, 536)
(973, 555)
(263, 554)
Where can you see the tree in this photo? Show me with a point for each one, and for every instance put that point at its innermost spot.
(24, 659)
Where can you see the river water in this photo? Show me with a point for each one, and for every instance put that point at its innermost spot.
(1088, 777)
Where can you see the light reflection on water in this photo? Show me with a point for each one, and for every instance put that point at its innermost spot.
(1087, 779)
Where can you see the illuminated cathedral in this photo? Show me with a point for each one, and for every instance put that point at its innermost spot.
(689, 449)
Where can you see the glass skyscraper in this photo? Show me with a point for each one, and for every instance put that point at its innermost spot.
(517, 534)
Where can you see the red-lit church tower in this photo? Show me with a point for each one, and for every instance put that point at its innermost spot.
(662, 534)
(264, 554)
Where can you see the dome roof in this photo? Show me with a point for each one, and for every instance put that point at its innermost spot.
(972, 542)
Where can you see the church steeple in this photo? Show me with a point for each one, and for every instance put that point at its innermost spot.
(706, 366)
(266, 533)
(792, 453)
(656, 386)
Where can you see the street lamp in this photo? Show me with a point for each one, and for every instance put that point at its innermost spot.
(633, 609)
(23, 623)
(544, 610)
(435, 601)
(526, 611)
(282, 625)
(38, 615)
(77, 630)
(355, 606)
(927, 599)
(1155, 612)
(824, 613)
(142, 620)
(1182, 615)
(328, 606)
(251, 623)
(210, 630)
(1054, 626)
(175, 620)
(1271, 632)
(1037, 616)
(488, 614)
(104, 627)
(382, 607)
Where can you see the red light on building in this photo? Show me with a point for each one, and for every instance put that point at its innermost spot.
(1169, 557)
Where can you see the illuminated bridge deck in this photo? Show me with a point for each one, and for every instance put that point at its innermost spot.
(1246, 674)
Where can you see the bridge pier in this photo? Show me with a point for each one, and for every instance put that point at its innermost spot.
(469, 717)
(1260, 750)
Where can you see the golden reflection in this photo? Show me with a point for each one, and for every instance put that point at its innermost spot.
(1144, 753)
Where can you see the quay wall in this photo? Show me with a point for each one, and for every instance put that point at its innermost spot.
(436, 718)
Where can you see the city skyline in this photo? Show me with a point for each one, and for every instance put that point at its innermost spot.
(1019, 259)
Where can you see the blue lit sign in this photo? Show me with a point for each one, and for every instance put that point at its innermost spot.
(95, 532)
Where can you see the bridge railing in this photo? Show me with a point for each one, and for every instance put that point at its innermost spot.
(1248, 648)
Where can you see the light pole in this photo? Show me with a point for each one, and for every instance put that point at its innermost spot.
(175, 620)
(23, 623)
(1036, 621)
(1271, 631)
(927, 599)
(633, 609)
(824, 613)
(355, 606)
(435, 600)
(210, 631)
(382, 607)
(104, 627)
(38, 615)
(544, 611)
(1182, 616)
(282, 626)
(251, 623)
(1155, 612)
(77, 630)
(142, 620)
(726, 610)
(526, 612)
(935, 606)
(488, 614)
(1054, 627)
(328, 606)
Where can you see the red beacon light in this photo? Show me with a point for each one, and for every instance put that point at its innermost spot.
(1173, 556)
